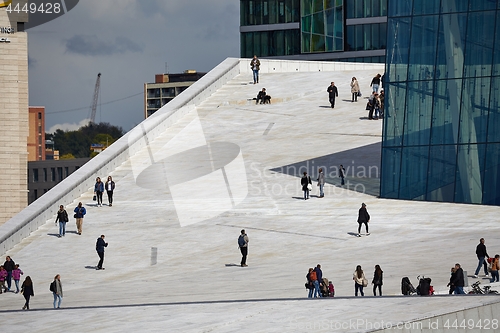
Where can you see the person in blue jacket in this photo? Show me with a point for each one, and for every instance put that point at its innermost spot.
(98, 190)
(80, 212)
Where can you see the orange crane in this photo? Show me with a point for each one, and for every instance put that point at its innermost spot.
(96, 97)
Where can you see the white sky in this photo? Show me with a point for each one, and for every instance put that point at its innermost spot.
(128, 41)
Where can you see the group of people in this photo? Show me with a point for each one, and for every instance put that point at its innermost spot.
(99, 188)
(80, 211)
(484, 259)
(320, 287)
(317, 285)
(10, 271)
(306, 182)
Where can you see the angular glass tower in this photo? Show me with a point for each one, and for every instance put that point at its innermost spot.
(441, 134)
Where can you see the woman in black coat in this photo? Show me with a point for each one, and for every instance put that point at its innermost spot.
(27, 291)
(377, 280)
(305, 181)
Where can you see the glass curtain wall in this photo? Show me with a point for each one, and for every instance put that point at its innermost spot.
(441, 138)
(322, 26)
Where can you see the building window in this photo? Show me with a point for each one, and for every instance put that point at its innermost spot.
(35, 175)
(35, 194)
(66, 170)
(39, 115)
(53, 174)
(322, 26)
(59, 174)
(44, 174)
(40, 129)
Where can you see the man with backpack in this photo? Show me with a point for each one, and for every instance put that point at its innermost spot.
(243, 245)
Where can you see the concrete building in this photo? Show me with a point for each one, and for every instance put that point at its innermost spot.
(352, 31)
(36, 136)
(165, 88)
(44, 175)
(13, 113)
(441, 139)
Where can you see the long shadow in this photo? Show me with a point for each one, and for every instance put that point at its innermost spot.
(362, 169)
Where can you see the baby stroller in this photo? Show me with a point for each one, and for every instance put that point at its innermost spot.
(424, 286)
(324, 288)
(406, 287)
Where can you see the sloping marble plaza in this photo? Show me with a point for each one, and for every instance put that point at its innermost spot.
(172, 263)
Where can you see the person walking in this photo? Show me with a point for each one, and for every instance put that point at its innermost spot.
(452, 278)
(363, 217)
(56, 288)
(98, 190)
(377, 280)
(354, 89)
(99, 247)
(342, 175)
(9, 266)
(458, 281)
(305, 181)
(359, 281)
(110, 187)
(255, 65)
(481, 255)
(80, 212)
(332, 93)
(27, 291)
(375, 84)
(16, 275)
(495, 266)
(321, 183)
(243, 245)
(62, 217)
(318, 282)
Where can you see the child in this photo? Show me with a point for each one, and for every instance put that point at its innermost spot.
(331, 289)
(3, 275)
(16, 275)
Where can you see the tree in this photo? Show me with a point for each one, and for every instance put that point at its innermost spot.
(78, 142)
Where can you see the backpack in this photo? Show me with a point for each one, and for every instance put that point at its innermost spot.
(241, 241)
(52, 286)
(313, 276)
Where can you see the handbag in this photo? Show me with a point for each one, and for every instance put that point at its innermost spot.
(368, 106)
(94, 198)
(365, 282)
(309, 187)
(359, 93)
(75, 216)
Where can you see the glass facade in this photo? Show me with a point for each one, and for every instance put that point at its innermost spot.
(366, 8)
(270, 43)
(440, 136)
(366, 37)
(258, 12)
(322, 26)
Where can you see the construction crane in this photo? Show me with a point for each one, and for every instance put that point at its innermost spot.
(96, 97)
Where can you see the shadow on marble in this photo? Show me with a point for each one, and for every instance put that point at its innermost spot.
(361, 174)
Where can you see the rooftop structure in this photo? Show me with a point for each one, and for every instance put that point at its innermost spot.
(211, 163)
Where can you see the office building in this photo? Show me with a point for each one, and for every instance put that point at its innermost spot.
(44, 175)
(165, 88)
(36, 136)
(314, 30)
(441, 138)
(14, 112)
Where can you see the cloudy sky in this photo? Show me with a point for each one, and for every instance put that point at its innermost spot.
(128, 41)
